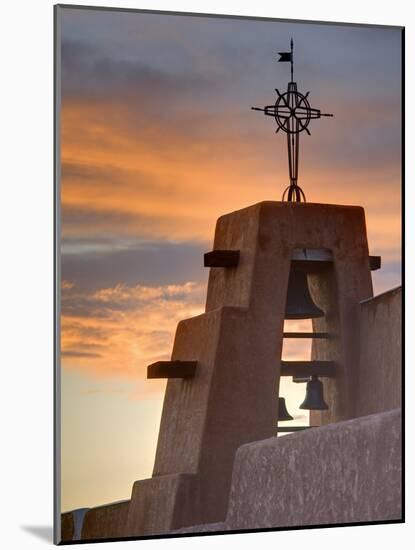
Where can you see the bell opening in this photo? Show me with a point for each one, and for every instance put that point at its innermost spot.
(299, 303)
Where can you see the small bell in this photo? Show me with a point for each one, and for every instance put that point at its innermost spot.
(283, 414)
(314, 398)
(299, 304)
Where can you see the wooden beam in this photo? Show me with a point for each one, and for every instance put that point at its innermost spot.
(316, 265)
(315, 254)
(285, 429)
(221, 258)
(171, 369)
(230, 258)
(301, 369)
(307, 335)
(301, 379)
(310, 266)
(375, 262)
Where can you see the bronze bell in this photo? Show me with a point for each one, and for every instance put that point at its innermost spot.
(299, 304)
(283, 414)
(314, 398)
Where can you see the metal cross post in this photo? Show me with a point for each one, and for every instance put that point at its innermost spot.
(292, 112)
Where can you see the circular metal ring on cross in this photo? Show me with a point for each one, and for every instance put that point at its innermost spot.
(292, 112)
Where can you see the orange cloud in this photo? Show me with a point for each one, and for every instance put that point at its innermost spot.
(137, 178)
(119, 331)
(173, 183)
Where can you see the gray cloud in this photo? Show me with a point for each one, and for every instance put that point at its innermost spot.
(197, 77)
(145, 263)
(87, 73)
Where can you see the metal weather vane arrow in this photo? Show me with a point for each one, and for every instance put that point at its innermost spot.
(292, 112)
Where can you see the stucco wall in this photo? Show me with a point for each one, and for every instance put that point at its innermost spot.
(379, 386)
(339, 473)
(67, 526)
(71, 524)
(107, 521)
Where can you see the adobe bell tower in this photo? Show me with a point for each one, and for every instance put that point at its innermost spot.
(223, 378)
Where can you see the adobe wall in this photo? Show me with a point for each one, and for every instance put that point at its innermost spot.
(379, 387)
(71, 524)
(67, 526)
(107, 521)
(344, 472)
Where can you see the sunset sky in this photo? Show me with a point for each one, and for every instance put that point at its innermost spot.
(157, 141)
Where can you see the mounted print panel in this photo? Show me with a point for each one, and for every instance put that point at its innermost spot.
(229, 316)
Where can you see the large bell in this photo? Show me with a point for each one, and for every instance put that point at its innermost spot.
(314, 398)
(299, 304)
(283, 414)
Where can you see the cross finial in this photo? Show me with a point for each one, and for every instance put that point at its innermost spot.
(292, 113)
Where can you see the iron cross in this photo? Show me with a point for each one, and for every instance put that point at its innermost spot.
(292, 113)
